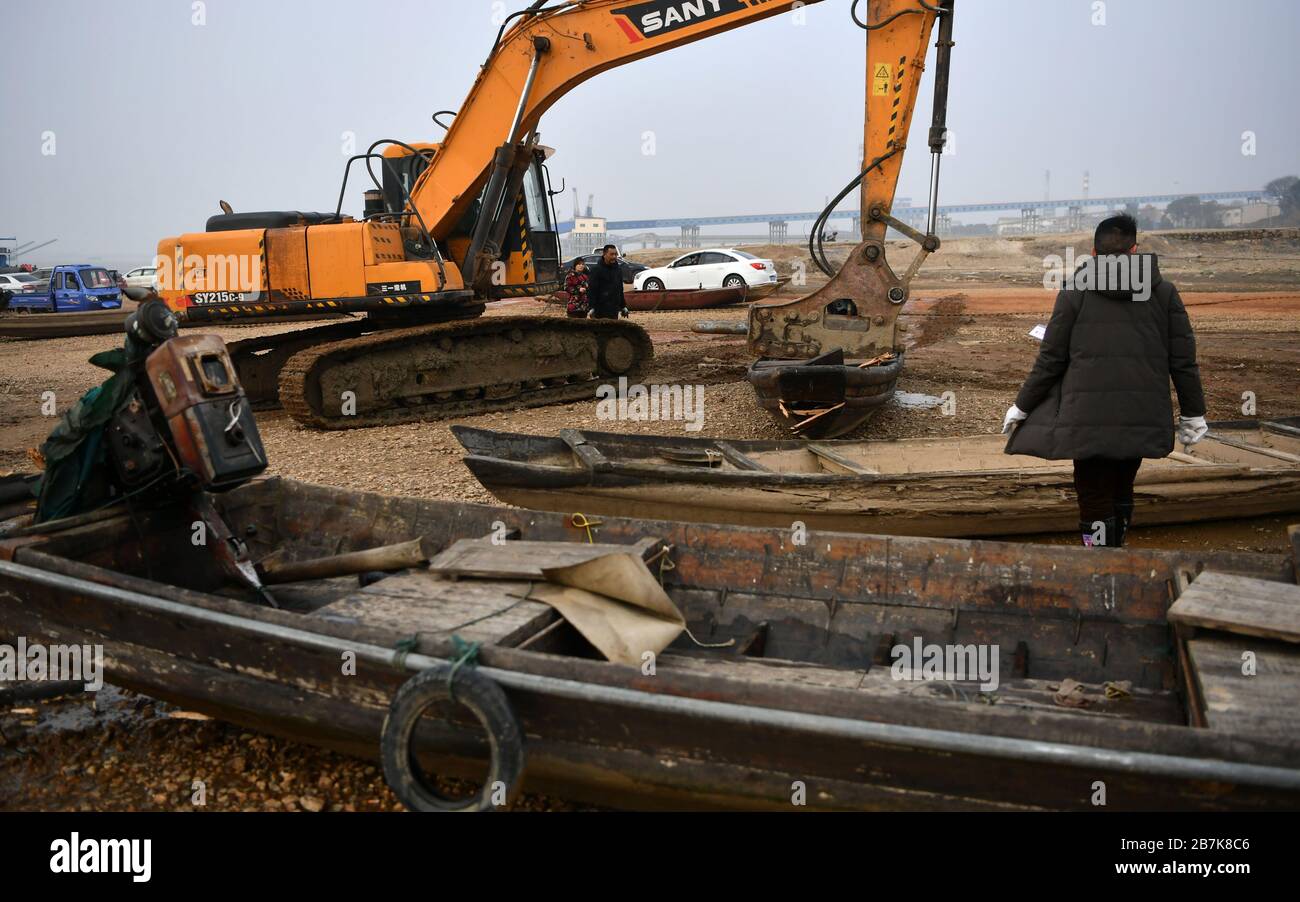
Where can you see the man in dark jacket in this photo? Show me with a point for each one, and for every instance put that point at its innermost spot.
(1099, 391)
(605, 287)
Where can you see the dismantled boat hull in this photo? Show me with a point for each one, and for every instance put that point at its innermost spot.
(799, 705)
(941, 487)
(827, 396)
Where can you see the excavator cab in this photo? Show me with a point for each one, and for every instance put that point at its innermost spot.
(529, 255)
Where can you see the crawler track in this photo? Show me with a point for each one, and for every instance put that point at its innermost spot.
(458, 368)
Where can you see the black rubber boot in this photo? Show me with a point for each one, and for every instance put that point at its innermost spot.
(1123, 517)
(1110, 533)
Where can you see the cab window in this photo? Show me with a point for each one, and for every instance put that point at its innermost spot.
(96, 278)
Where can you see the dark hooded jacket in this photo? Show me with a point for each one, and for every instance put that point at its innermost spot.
(1100, 385)
(605, 289)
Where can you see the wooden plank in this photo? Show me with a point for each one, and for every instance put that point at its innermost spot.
(1279, 428)
(1194, 705)
(1235, 604)
(592, 458)
(1256, 449)
(481, 559)
(738, 459)
(830, 455)
(1259, 704)
(491, 612)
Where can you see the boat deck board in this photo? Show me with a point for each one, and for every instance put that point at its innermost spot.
(1137, 704)
(494, 612)
(1236, 604)
(1258, 706)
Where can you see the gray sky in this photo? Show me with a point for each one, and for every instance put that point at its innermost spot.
(154, 118)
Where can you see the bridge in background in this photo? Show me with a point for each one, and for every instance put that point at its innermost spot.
(1030, 211)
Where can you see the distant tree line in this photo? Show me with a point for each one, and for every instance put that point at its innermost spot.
(1287, 191)
(1193, 213)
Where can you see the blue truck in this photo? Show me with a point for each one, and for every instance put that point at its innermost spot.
(76, 287)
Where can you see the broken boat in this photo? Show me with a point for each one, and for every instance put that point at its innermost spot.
(684, 299)
(784, 672)
(947, 487)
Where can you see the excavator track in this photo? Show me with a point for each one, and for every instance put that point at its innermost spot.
(458, 368)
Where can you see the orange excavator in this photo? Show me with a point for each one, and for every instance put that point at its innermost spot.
(451, 225)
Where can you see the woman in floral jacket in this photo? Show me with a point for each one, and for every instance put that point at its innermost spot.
(576, 287)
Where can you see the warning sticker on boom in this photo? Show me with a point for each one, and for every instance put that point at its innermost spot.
(881, 76)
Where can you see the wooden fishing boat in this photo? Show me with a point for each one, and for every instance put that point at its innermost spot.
(684, 299)
(961, 486)
(786, 695)
(33, 326)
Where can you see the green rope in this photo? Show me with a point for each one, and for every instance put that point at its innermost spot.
(468, 652)
(404, 647)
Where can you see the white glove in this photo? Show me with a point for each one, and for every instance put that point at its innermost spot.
(1191, 430)
(1015, 416)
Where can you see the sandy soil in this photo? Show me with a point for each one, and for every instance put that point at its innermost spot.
(975, 303)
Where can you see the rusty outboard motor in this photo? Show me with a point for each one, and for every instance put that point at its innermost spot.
(170, 426)
(187, 421)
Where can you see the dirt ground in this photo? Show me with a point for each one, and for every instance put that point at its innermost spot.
(973, 307)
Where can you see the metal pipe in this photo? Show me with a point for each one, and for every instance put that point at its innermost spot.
(720, 327)
(946, 741)
(502, 163)
(383, 559)
(933, 214)
(939, 120)
(540, 46)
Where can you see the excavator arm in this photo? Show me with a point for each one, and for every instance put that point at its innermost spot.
(541, 55)
(543, 52)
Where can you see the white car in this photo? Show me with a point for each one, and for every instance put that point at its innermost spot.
(713, 267)
(143, 277)
(18, 282)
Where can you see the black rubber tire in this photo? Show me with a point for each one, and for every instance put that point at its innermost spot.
(489, 704)
(652, 284)
(733, 281)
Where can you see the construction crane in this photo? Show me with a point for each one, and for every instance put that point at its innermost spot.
(450, 225)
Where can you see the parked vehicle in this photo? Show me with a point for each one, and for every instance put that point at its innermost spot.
(627, 267)
(18, 282)
(76, 287)
(710, 268)
(143, 277)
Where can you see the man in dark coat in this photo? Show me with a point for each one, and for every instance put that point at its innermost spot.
(605, 287)
(1099, 391)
